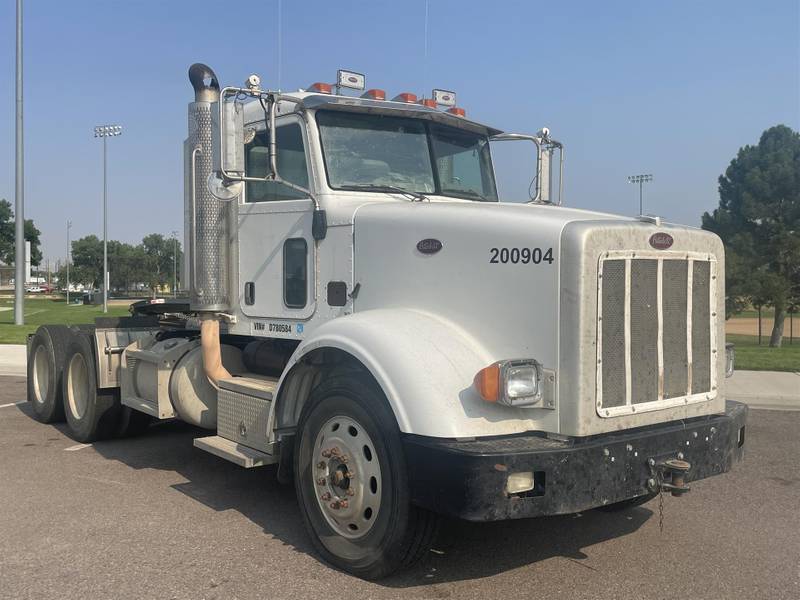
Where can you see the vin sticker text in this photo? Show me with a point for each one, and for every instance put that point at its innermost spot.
(521, 255)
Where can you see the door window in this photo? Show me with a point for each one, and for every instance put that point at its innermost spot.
(295, 272)
(291, 165)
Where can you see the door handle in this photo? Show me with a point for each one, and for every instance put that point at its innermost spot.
(250, 293)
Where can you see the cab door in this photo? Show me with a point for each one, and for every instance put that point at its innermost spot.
(276, 247)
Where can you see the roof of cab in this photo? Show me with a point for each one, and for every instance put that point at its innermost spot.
(315, 101)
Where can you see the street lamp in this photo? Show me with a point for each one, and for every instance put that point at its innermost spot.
(174, 264)
(69, 226)
(105, 132)
(640, 179)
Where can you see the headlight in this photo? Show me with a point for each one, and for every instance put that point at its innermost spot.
(730, 355)
(511, 382)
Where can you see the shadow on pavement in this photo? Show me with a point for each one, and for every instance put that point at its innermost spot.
(463, 550)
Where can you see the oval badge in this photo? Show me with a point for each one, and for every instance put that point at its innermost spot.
(429, 246)
(661, 240)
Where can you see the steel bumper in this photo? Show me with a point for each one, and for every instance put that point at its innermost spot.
(467, 479)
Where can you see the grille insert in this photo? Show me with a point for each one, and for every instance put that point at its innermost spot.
(656, 331)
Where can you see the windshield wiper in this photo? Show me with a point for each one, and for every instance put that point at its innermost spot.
(415, 196)
(467, 193)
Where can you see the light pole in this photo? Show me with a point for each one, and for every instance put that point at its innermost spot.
(19, 188)
(69, 226)
(641, 180)
(174, 264)
(105, 132)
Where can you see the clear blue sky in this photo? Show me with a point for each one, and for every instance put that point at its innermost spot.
(669, 88)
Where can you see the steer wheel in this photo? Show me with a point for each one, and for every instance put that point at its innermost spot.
(351, 479)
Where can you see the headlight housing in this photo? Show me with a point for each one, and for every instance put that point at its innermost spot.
(511, 382)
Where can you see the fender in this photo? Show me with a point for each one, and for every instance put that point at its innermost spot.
(425, 366)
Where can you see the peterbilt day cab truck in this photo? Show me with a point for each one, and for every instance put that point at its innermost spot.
(367, 314)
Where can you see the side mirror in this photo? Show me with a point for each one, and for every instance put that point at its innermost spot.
(542, 182)
(227, 139)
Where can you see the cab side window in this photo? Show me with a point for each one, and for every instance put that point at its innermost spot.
(291, 165)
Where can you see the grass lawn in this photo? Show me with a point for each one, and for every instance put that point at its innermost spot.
(41, 311)
(766, 314)
(752, 357)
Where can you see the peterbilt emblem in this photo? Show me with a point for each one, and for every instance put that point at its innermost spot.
(661, 240)
(429, 246)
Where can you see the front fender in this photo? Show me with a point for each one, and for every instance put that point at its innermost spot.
(425, 366)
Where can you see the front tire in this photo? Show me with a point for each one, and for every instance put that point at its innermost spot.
(92, 414)
(352, 483)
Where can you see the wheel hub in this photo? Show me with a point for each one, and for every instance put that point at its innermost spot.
(347, 476)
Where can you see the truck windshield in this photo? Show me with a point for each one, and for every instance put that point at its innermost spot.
(363, 151)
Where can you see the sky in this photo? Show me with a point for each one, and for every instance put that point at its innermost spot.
(668, 88)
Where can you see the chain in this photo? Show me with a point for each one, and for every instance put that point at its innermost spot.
(660, 510)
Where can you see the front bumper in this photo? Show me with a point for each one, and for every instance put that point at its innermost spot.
(467, 479)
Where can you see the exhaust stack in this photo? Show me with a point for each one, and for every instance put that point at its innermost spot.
(205, 217)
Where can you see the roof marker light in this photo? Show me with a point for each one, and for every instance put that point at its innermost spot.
(459, 112)
(444, 97)
(320, 88)
(428, 102)
(350, 79)
(406, 97)
(374, 94)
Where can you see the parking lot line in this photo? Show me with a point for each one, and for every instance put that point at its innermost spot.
(13, 404)
(76, 447)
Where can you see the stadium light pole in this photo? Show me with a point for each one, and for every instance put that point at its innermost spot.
(19, 188)
(641, 180)
(105, 132)
(174, 264)
(69, 226)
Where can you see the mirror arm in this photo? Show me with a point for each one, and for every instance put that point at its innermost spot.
(510, 137)
(272, 100)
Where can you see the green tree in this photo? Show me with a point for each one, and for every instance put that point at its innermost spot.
(758, 219)
(87, 261)
(160, 253)
(8, 236)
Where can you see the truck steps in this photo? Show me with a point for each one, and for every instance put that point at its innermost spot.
(243, 405)
(236, 453)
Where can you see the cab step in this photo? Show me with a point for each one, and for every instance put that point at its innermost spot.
(236, 453)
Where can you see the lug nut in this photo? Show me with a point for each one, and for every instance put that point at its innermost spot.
(334, 451)
(350, 475)
(321, 464)
(351, 492)
(321, 481)
(326, 454)
(335, 505)
(325, 497)
(343, 503)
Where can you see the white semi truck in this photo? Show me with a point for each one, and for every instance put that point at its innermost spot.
(367, 314)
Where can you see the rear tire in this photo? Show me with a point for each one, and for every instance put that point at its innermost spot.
(378, 531)
(45, 368)
(91, 414)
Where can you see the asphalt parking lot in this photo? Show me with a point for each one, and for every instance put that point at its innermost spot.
(153, 517)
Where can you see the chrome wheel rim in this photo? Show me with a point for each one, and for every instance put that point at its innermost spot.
(41, 375)
(78, 386)
(346, 477)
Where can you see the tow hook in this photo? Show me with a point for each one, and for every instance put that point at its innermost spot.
(668, 476)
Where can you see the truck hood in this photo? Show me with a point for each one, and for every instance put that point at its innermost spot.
(521, 281)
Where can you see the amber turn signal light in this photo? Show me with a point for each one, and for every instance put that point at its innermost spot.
(487, 382)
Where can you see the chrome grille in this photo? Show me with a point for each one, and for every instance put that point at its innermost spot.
(655, 331)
